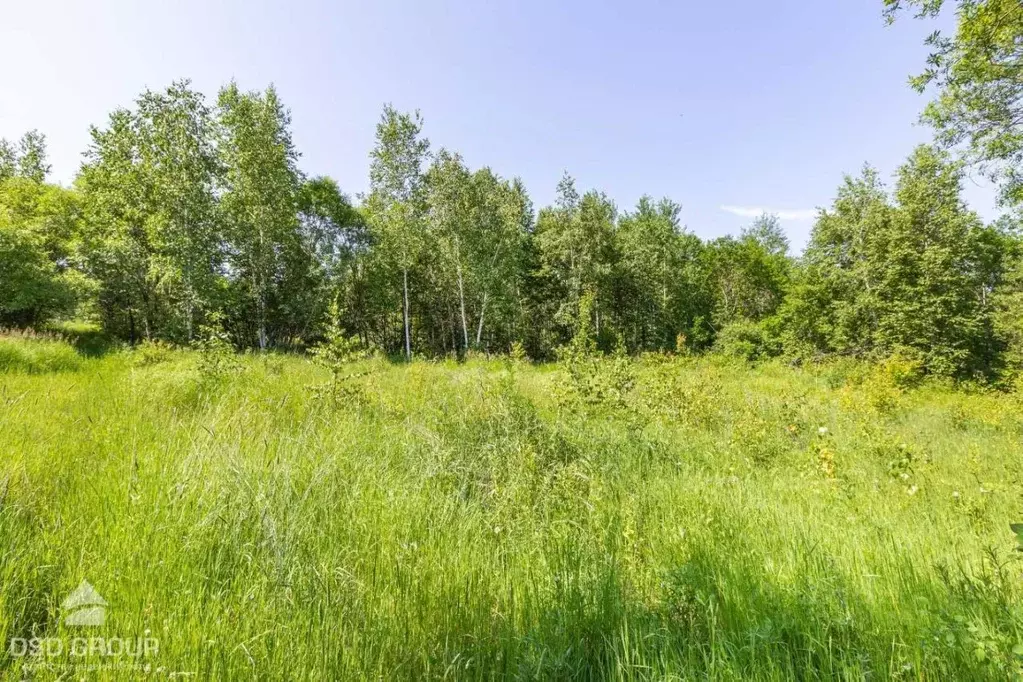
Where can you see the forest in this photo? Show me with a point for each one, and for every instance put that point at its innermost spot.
(187, 215)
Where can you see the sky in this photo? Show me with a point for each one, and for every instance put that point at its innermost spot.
(728, 108)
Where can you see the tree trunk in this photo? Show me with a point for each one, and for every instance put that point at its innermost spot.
(483, 311)
(405, 311)
(260, 315)
(461, 303)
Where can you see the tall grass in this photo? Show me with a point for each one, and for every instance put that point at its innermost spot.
(36, 353)
(478, 522)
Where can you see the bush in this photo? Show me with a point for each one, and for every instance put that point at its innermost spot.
(152, 353)
(903, 369)
(749, 340)
(217, 358)
(37, 354)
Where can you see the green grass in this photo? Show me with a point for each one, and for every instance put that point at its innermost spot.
(36, 354)
(477, 521)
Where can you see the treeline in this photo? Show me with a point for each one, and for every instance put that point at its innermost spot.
(186, 215)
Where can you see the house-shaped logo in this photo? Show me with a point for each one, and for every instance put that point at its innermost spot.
(84, 606)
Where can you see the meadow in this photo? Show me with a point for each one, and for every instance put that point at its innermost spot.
(657, 518)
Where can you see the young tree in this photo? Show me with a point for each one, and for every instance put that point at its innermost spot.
(396, 204)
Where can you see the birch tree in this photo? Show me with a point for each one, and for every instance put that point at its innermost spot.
(396, 204)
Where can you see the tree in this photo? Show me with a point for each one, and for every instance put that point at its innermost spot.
(766, 230)
(8, 159)
(978, 74)
(575, 242)
(930, 276)
(32, 156)
(333, 229)
(450, 201)
(834, 303)
(659, 292)
(27, 160)
(748, 280)
(270, 267)
(152, 238)
(914, 277)
(38, 226)
(1007, 299)
(333, 236)
(480, 222)
(396, 204)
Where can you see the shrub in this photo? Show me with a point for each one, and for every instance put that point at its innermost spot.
(152, 353)
(593, 378)
(337, 352)
(749, 340)
(903, 369)
(216, 353)
(518, 352)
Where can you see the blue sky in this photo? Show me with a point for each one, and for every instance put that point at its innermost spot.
(745, 105)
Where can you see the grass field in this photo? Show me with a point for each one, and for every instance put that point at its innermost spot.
(483, 521)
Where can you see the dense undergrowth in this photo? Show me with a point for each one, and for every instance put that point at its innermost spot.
(671, 518)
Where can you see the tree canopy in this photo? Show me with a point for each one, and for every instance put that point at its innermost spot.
(188, 213)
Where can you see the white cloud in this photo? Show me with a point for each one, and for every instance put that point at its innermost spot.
(755, 211)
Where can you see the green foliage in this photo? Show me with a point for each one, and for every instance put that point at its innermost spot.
(216, 359)
(1008, 311)
(749, 277)
(38, 229)
(576, 253)
(151, 236)
(881, 278)
(594, 379)
(273, 264)
(979, 100)
(338, 352)
(396, 205)
(517, 354)
(749, 340)
(184, 213)
(661, 288)
(153, 353)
